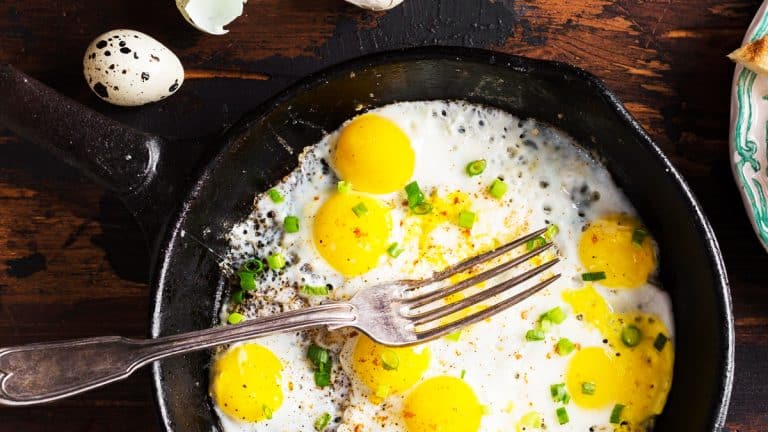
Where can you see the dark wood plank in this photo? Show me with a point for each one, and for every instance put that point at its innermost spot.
(71, 260)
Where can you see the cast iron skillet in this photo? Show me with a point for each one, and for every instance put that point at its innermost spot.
(184, 211)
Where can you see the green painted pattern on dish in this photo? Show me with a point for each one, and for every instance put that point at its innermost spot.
(747, 149)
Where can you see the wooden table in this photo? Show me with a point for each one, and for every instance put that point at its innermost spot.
(73, 263)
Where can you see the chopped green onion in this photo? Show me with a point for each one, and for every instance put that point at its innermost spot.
(322, 378)
(237, 297)
(254, 266)
(616, 413)
(390, 360)
(291, 224)
(476, 167)
(535, 243)
(318, 290)
(318, 355)
(247, 281)
(394, 251)
(382, 391)
(631, 335)
(638, 236)
(534, 335)
(556, 315)
(466, 219)
(562, 415)
(422, 208)
(276, 261)
(276, 196)
(267, 412)
(235, 318)
(498, 188)
(322, 422)
(344, 187)
(360, 209)
(463, 373)
(552, 231)
(544, 324)
(564, 346)
(588, 388)
(593, 276)
(453, 337)
(660, 341)
(414, 193)
(559, 394)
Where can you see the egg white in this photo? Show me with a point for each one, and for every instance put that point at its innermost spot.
(551, 181)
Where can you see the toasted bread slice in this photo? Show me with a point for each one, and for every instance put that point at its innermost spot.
(753, 55)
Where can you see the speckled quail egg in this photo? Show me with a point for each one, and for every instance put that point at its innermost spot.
(130, 68)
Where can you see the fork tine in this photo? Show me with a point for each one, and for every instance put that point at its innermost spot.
(471, 262)
(445, 310)
(429, 297)
(485, 313)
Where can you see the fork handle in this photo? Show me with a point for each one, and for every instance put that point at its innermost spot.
(37, 373)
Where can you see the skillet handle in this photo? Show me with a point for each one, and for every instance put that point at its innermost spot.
(119, 157)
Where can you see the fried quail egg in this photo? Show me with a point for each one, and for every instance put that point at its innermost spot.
(405, 190)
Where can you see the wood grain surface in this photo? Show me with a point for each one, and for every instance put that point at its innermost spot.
(73, 263)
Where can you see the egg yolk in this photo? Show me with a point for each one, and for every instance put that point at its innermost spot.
(637, 377)
(374, 154)
(387, 370)
(607, 246)
(246, 383)
(351, 232)
(443, 404)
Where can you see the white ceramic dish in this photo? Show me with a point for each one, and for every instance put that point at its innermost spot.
(749, 134)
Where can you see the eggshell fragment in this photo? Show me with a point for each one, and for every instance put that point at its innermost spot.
(376, 5)
(210, 16)
(130, 68)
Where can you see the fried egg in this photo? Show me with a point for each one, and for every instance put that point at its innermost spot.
(405, 190)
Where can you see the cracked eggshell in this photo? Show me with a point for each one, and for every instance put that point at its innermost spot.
(376, 5)
(210, 16)
(130, 68)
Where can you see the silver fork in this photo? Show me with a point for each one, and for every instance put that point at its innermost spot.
(396, 314)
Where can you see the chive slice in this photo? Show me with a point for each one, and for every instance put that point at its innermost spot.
(276, 261)
(318, 355)
(535, 243)
(322, 422)
(394, 250)
(267, 412)
(631, 335)
(235, 318)
(593, 276)
(498, 188)
(476, 167)
(544, 324)
(463, 373)
(564, 346)
(559, 394)
(291, 224)
(588, 388)
(316, 290)
(466, 219)
(660, 342)
(275, 196)
(557, 315)
(616, 413)
(552, 231)
(236, 297)
(254, 266)
(638, 236)
(390, 360)
(344, 187)
(562, 415)
(360, 209)
(247, 281)
(323, 378)
(414, 193)
(422, 208)
(534, 335)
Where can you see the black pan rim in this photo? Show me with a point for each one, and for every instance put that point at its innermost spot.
(477, 55)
